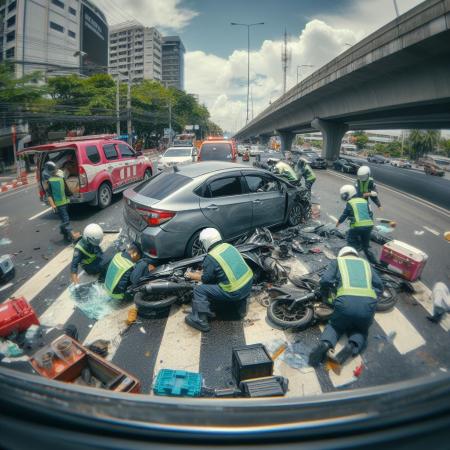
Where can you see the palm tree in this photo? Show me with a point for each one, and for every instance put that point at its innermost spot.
(422, 142)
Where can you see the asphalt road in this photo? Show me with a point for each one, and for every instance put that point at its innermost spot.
(401, 340)
(431, 188)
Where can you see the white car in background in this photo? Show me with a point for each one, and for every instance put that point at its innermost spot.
(256, 150)
(177, 156)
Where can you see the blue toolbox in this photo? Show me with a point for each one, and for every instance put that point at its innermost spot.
(178, 383)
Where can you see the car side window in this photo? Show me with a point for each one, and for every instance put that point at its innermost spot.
(125, 151)
(225, 187)
(92, 154)
(258, 183)
(110, 152)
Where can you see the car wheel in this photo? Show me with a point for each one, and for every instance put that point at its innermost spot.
(104, 195)
(295, 215)
(147, 174)
(194, 247)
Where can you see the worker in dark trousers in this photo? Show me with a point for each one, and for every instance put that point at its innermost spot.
(58, 195)
(304, 170)
(89, 255)
(365, 186)
(126, 269)
(358, 287)
(225, 277)
(359, 215)
(285, 170)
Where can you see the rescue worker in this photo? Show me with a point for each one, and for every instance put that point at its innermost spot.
(304, 170)
(126, 269)
(285, 170)
(441, 302)
(225, 277)
(365, 186)
(57, 195)
(358, 287)
(357, 211)
(89, 255)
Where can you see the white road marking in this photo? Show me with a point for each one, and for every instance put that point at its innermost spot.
(436, 233)
(430, 205)
(4, 221)
(180, 345)
(407, 338)
(46, 275)
(40, 214)
(423, 296)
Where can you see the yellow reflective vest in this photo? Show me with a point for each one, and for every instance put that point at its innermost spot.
(361, 213)
(356, 277)
(116, 270)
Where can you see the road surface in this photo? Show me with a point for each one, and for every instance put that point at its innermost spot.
(402, 343)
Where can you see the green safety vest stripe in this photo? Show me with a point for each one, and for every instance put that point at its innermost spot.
(233, 264)
(58, 191)
(364, 185)
(286, 169)
(361, 213)
(309, 174)
(91, 257)
(356, 277)
(116, 270)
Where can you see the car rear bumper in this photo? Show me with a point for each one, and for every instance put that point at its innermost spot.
(84, 197)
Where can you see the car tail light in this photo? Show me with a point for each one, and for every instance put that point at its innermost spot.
(83, 177)
(155, 217)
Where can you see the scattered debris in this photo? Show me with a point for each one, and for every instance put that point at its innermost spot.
(100, 346)
(4, 221)
(358, 370)
(5, 241)
(71, 331)
(419, 233)
(10, 349)
(142, 330)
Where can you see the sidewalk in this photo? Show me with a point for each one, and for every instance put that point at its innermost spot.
(10, 182)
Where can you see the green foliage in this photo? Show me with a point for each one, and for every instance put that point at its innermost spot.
(360, 139)
(422, 142)
(444, 146)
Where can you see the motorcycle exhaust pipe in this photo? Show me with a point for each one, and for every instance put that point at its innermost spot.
(164, 287)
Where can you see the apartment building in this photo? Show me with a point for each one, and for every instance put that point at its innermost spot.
(173, 62)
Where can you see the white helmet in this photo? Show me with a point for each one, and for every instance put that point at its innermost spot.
(209, 236)
(364, 173)
(347, 251)
(60, 173)
(93, 233)
(347, 192)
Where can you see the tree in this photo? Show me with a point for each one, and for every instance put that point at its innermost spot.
(360, 139)
(444, 145)
(422, 142)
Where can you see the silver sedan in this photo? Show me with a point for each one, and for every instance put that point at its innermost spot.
(166, 213)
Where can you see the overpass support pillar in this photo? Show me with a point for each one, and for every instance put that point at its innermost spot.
(332, 133)
(264, 139)
(286, 139)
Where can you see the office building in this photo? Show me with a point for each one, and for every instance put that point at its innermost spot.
(173, 62)
(55, 36)
(135, 51)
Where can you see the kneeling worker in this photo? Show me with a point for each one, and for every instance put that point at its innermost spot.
(358, 286)
(226, 277)
(126, 269)
(359, 214)
(285, 170)
(88, 253)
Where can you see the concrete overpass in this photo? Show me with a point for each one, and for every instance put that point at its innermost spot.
(398, 77)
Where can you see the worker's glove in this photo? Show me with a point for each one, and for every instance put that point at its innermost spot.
(373, 193)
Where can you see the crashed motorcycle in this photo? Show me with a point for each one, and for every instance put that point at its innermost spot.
(167, 284)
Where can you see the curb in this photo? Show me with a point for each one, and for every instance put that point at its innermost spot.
(14, 184)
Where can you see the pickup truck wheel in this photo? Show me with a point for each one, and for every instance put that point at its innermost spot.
(147, 174)
(104, 195)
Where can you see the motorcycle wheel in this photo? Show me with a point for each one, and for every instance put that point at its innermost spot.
(388, 299)
(299, 318)
(149, 307)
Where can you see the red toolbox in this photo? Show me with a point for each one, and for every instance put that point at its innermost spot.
(16, 315)
(404, 259)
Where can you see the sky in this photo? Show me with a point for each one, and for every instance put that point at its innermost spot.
(216, 52)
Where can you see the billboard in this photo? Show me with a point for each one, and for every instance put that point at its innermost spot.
(94, 41)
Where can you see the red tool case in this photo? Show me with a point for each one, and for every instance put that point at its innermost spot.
(16, 315)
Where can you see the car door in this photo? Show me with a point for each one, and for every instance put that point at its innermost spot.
(113, 165)
(267, 199)
(227, 205)
(133, 169)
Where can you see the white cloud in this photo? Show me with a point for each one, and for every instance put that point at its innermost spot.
(163, 14)
(222, 82)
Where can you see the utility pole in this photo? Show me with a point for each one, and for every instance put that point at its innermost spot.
(396, 8)
(170, 123)
(285, 60)
(129, 129)
(118, 105)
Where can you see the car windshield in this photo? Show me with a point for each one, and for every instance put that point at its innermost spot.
(162, 185)
(175, 152)
(216, 152)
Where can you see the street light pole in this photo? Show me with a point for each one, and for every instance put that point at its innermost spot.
(129, 129)
(118, 106)
(248, 25)
(396, 8)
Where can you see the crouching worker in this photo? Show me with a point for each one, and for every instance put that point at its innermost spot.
(358, 286)
(125, 270)
(89, 255)
(226, 277)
